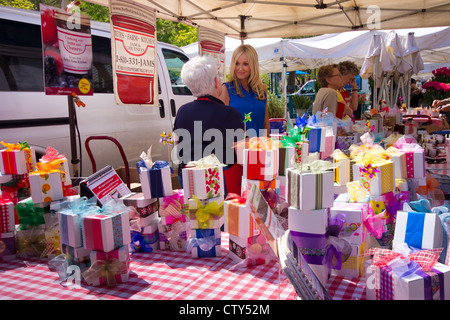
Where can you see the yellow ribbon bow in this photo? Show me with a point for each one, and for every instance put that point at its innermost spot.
(205, 212)
(48, 167)
(17, 146)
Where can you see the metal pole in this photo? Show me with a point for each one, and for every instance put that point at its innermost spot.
(73, 140)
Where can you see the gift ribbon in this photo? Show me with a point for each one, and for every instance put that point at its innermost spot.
(52, 154)
(52, 242)
(203, 213)
(210, 161)
(176, 236)
(357, 192)
(30, 243)
(107, 269)
(60, 264)
(48, 167)
(29, 214)
(426, 259)
(17, 146)
(263, 143)
(204, 243)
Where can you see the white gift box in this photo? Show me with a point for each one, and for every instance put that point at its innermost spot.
(353, 214)
(310, 191)
(238, 220)
(418, 229)
(399, 161)
(311, 221)
(342, 172)
(412, 286)
(383, 182)
(415, 164)
(46, 187)
(70, 228)
(156, 183)
(204, 183)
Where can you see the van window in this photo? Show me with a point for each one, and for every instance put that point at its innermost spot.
(175, 61)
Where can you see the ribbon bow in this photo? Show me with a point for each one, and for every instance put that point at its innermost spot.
(210, 161)
(107, 269)
(263, 143)
(237, 198)
(426, 259)
(48, 167)
(315, 165)
(17, 146)
(52, 154)
(205, 212)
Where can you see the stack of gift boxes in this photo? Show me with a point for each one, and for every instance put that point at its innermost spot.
(204, 191)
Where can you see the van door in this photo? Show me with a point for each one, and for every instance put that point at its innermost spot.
(173, 93)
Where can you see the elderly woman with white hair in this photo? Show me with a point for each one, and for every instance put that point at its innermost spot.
(206, 125)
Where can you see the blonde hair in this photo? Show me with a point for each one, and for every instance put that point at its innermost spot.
(254, 80)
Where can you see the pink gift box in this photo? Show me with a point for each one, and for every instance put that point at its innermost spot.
(415, 164)
(106, 232)
(17, 161)
(118, 256)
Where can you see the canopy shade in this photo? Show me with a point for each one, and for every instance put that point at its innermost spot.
(243, 19)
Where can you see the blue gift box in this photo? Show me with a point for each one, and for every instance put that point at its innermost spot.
(316, 138)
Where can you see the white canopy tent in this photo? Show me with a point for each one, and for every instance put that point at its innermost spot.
(243, 19)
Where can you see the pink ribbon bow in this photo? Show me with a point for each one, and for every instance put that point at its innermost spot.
(426, 258)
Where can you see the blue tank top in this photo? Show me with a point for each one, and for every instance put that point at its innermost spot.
(248, 103)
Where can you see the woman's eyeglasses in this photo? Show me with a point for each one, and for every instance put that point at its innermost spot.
(336, 75)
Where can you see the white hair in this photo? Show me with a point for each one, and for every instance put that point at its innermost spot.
(199, 73)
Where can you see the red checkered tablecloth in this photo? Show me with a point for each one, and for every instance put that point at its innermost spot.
(165, 275)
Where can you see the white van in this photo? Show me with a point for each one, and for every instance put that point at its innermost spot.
(27, 114)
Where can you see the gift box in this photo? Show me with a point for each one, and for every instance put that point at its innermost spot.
(418, 229)
(155, 182)
(31, 242)
(342, 168)
(354, 266)
(70, 213)
(108, 268)
(46, 187)
(144, 206)
(344, 142)
(9, 246)
(399, 161)
(311, 221)
(51, 155)
(260, 164)
(205, 183)
(107, 231)
(246, 185)
(408, 282)
(283, 187)
(17, 159)
(7, 220)
(316, 138)
(147, 240)
(238, 219)
(206, 214)
(378, 179)
(286, 155)
(310, 191)
(330, 142)
(16, 185)
(173, 236)
(205, 243)
(415, 164)
(350, 217)
(76, 256)
(250, 251)
(31, 214)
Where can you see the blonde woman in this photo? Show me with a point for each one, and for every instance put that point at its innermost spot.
(246, 92)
